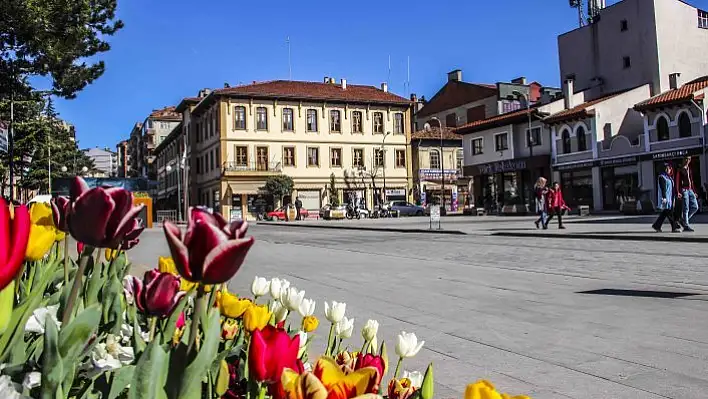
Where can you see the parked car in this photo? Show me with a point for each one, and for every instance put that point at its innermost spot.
(406, 208)
(443, 211)
(279, 214)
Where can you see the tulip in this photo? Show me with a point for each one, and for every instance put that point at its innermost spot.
(292, 298)
(131, 238)
(14, 237)
(415, 377)
(180, 321)
(157, 294)
(110, 254)
(260, 286)
(310, 323)
(374, 361)
(335, 312)
(278, 287)
(229, 329)
(42, 232)
(345, 328)
(271, 350)
(211, 251)
(485, 390)
(60, 207)
(400, 389)
(346, 361)
(327, 381)
(369, 331)
(101, 217)
(408, 345)
(256, 317)
(231, 306)
(303, 344)
(307, 308)
(279, 311)
(79, 247)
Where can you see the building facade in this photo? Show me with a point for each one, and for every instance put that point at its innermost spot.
(170, 157)
(155, 129)
(135, 151)
(435, 174)
(239, 136)
(123, 158)
(105, 161)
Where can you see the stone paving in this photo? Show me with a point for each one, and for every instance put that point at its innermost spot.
(547, 317)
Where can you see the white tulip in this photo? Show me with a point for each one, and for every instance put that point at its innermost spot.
(10, 390)
(407, 345)
(292, 298)
(260, 286)
(335, 312)
(111, 355)
(303, 344)
(345, 328)
(279, 311)
(277, 286)
(369, 331)
(32, 379)
(307, 307)
(415, 377)
(39, 317)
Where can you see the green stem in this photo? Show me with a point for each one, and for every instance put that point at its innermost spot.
(198, 309)
(262, 391)
(329, 340)
(66, 260)
(398, 367)
(339, 346)
(363, 348)
(83, 261)
(153, 324)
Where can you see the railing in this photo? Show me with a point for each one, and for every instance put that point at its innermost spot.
(169, 215)
(268, 167)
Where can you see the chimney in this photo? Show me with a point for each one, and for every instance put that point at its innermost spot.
(568, 93)
(519, 81)
(344, 84)
(454, 76)
(326, 79)
(414, 97)
(674, 80)
(384, 87)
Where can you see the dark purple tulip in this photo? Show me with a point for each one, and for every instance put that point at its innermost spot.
(211, 251)
(131, 238)
(60, 207)
(157, 294)
(102, 216)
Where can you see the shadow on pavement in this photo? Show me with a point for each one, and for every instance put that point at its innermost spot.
(638, 293)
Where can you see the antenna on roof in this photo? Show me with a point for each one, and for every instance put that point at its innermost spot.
(290, 68)
(407, 89)
(389, 69)
(579, 5)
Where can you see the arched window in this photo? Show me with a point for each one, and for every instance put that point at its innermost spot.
(662, 129)
(434, 159)
(582, 143)
(684, 125)
(565, 136)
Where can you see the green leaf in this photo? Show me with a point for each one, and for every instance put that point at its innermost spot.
(171, 325)
(427, 389)
(52, 365)
(7, 301)
(150, 374)
(138, 341)
(120, 380)
(191, 382)
(73, 337)
(94, 283)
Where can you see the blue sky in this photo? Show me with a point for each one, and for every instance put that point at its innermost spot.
(169, 50)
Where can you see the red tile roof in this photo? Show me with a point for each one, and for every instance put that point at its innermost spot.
(456, 93)
(434, 134)
(579, 111)
(682, 94)
(167, 113)
(497, 120)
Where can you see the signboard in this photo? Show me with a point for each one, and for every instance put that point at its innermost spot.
(434, 174)
(434, 215)
(501, 167)
(673, 154)
(397, 192)
(4, 134)
(617, 161)
(579, 165)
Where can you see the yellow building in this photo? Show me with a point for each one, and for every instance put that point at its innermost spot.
(239, 136)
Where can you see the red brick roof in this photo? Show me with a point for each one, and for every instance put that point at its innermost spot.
(682, 94)
(498, 120)
(456, 93)
(579, 111)
(434, 134)
(165, 114)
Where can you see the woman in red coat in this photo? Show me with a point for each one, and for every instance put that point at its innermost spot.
(556, 205)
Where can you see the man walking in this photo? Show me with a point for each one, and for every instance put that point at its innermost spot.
(686, 193)
(298, 207)
(665, 200)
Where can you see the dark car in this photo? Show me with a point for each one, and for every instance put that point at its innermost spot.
(406, 208)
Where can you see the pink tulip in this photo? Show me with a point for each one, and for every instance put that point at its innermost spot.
(180, 321)
(157, 294)
(14, 235)
(60, 206)
(211, 251)
(101, 217)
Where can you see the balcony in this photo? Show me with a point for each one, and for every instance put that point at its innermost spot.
(234, 168)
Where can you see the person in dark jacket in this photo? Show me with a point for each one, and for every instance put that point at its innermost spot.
(298, 207)
(686, 193)
(665, 200)
(556, 205)
(541, 191)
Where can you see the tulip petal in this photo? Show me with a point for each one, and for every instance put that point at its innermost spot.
(40, 242)
(161, 293)
(4, 231)
(77, 188)
(179, 252)
(327, 370)
(238, 228)
(18, 243)
(354, 384)
(95, 208)
(257, 355)
(302, 386)
(137, 287)
(222, 262)
(126, 224)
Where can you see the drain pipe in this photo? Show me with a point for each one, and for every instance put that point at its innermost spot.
(703, 140)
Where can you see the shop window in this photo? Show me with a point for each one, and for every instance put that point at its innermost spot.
(434, 159)
(565, 136)
(460, 157)
(582, 139)
(684, 123)
(662, 129)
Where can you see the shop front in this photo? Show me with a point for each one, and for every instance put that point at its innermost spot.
(676, 157)
(576, 183)
(433, 190)
(620, 182)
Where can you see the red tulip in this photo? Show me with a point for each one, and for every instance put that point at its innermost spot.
(157, 294)
(14, 235)
(79, 247)
(101, 217)
(131, 238)
(211, 251)
(376, 362)
(272, 350)
(180, 321)
(60, 207)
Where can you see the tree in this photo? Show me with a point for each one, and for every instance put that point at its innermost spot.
(333, 195)
(278, 186)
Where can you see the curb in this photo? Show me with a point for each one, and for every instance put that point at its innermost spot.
(361, 228)
(584, 236)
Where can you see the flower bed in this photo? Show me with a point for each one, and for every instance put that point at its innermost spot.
(86, 328)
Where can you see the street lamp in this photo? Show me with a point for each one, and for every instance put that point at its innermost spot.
(84, 169)
(442, 160)
(529, 135)
(64, 169)
(383, 163)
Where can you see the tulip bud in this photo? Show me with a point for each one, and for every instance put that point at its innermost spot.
(279, 311)
(292, 298)
(260, 286)
(256, 318)
(277, 287)
(307, 307)
(427, 388)
(229, 329)
(310, 323)
(407, 345)
(157, 294)
(415, 377)
(345, 328)
(369, 331)
(335, 312)
(303, 344)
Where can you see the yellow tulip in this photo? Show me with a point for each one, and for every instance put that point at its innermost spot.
(60, 235)
(186, 285)
(231, 306)
(165, 264)
(229, 329)
(327, 381)
(310, 324)
(42, 232)
(485, 390)
(111, 254)
(256, 317)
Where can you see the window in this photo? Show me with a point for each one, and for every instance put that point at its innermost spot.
(623, 25)
(662, 129)
(356, 122)
(566, 141)
(477, 146)
(451, 120)
(241, 155)
(702, 19)
(211, 160)
(582, 142)
(218, 157)
(288, 119)
(198, 135)
(335, 157)
(261, 118)
(239, 118)
(684, 123)
(626, 62)
(475, 113)
(379, 158)
(358, 159)
(311, 120)
(533, 137)
(398, 123)
(378, 123)
(289, 156)
(434, 156)
(261, 158)
(199, 166)
(400, 158)
(313, 156)
(335, 123)
(460, 158)
(501, 142)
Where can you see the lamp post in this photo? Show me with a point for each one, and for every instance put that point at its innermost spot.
(383, 164)
(442, 163)
(529, 133)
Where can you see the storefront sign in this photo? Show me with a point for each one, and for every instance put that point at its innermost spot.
(579, 165)
(664, 155)
(396, 192)
(434, 174)
(617, 161)
(501, 167)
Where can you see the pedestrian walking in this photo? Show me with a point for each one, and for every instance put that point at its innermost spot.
(665, 200)
(541, 192)
(298, 207)
(686, 193)
(556, 205)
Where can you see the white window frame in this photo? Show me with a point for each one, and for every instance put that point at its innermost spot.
(507, 141)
